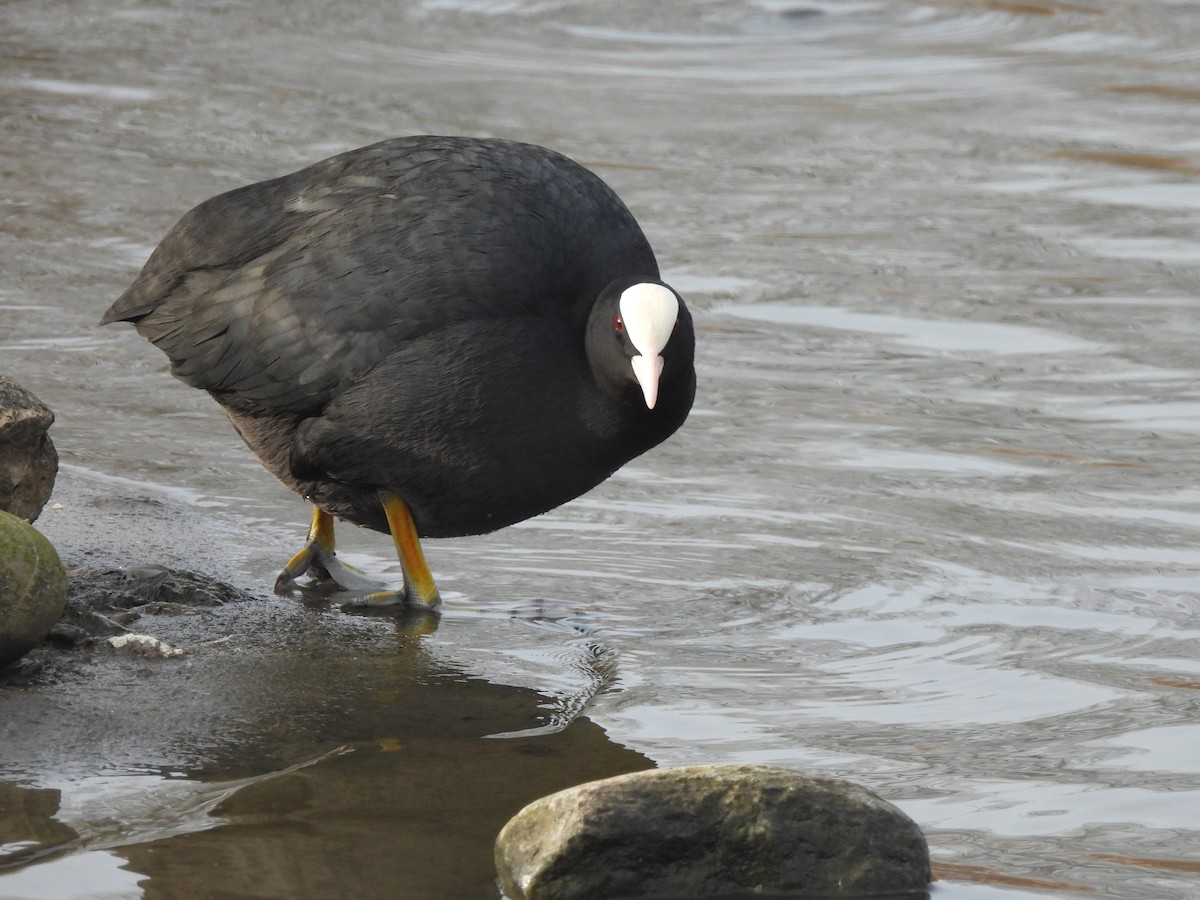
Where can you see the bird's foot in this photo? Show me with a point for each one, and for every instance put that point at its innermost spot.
(381, 597)
(319, 561)
(323, 565)
(377, 599)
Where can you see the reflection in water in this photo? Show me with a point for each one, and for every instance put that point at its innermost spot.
(412, 813)
(104, 873)
(417, 766)
(27, 822)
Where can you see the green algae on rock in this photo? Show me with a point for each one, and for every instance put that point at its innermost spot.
(33, 588)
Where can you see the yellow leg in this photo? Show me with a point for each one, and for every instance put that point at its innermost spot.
(418, 582)
(317, 548)
(320, 532)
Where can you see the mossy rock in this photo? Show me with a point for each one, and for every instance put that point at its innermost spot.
(712, 831)
(33, 588)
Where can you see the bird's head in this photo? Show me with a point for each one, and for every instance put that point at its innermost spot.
(640, 330)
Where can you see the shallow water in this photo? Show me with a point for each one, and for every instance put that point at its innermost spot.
(933, 525)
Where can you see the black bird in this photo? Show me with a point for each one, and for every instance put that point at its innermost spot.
(429, 336)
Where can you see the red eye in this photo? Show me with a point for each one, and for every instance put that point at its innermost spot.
(618, 323)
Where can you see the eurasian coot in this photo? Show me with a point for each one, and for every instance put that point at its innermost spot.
(429, 336)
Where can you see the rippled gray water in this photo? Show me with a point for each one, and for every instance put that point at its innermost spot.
(934, 524)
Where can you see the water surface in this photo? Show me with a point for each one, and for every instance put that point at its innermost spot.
(932, 526)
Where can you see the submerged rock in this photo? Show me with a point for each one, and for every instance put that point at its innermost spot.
(28, 460)
(150, 589)
(33, 588)
(712, 831)
(103, 602)
(103, 609)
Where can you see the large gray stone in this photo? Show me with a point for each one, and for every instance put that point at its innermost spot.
(33, 588)
(711, 831)
(28, 460)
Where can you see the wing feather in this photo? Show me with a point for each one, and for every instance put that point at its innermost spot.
(286, 292)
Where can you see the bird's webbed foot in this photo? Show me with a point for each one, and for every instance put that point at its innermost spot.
(319, 561)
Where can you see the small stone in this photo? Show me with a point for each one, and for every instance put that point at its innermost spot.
(712, 831)
(67, 635)
(28, 460)
(33, 588)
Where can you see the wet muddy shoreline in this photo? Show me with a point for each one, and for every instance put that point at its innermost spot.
(242, 728)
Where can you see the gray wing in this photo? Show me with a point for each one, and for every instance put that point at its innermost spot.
(284, 293)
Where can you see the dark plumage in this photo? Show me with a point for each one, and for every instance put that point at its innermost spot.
(434, 317)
